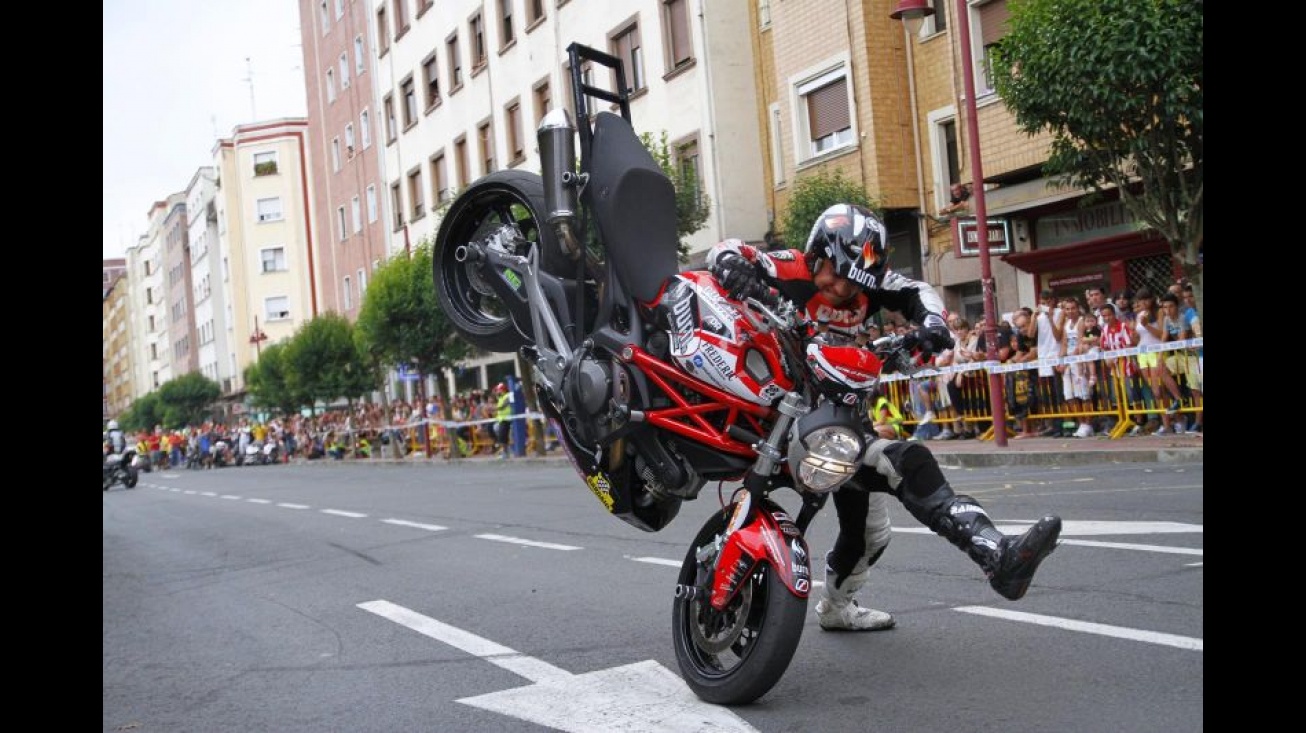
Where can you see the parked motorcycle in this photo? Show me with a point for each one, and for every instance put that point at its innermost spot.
(120, 468)
(658, 382)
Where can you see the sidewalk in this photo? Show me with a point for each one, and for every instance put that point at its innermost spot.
(971, 453)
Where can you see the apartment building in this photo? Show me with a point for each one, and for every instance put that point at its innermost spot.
(208, 301)
(116, 348)
(266, 243)
(147, 294)
(345, 165)
(182, 352)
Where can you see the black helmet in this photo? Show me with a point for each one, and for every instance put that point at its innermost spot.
(853, 239)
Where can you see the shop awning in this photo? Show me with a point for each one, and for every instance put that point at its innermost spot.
(1124, 247)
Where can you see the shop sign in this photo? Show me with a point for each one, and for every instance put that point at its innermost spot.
(1061, 282)
(968, 239)
(1082, 225)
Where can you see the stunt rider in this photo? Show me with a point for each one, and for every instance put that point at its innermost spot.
(842, 279)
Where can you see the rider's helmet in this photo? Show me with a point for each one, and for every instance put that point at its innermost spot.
(113, 424)
(854, 240)
(500, 388)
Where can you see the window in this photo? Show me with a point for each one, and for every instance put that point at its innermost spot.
(326, 19)
(331, 85)
(507, 35)
(423, 6)
(341, 227)
(688, 165)
(988, 25)
(777, 145)
(349, 299)
(439, 180)
(543, 100)
(946, 155)
(626, 45)
(265, 164)
(362, 283)
(455, 63)
(360, 61)
(938, 21)
(268, 209)
(534, 12)
(409, 93)
(273, 258)
(460, 161)
(675, 33)
(365, 129)
(401, 18)
(415, 194)
(431, 80)
(344, 71)
(349, 139)
(382, 32)
(276, 308)
(335, 154)
(390, 131)
(763, 13)
(372, 212)
(340, 8)
(485, 146)
(512, 119)
(824, 111)
(397, 206)
(476, 30)
(356, 214)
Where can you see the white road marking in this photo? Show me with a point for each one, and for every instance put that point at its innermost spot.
(658, 561)
(229, 496)
(341, 513)
(1132, 546)
(258, 501)
(418, 525)
(292, 506)
(1120, 632)
(644, 696)
(528, 543)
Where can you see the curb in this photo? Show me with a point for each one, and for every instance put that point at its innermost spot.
(1079, 458)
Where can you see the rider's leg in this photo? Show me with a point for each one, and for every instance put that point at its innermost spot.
(864, 532)
(1009, 561)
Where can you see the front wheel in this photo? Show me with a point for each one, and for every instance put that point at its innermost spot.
(501, 201)
(734, 656)
(130, 478)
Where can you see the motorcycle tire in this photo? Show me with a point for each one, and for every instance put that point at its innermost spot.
(131, 478)
(735, 656)
(474, 310)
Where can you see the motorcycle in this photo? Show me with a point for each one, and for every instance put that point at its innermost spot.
(120, 468)
(658, 381)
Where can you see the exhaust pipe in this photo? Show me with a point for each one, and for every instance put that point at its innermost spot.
(557, 140)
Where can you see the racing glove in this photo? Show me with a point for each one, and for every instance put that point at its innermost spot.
(736, 274)
(929, 340)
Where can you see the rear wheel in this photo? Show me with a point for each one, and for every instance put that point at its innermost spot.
(734, 656)
(502, 200)
(130, 479)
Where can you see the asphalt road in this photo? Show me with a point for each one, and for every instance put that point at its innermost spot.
(493, 597)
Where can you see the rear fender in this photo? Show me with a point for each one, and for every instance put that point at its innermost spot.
(763, 535)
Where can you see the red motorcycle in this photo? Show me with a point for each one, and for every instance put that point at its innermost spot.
(657, 381)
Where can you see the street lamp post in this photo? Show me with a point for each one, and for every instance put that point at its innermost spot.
(257, 338)
(912, 12)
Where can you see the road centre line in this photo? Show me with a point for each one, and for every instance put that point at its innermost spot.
(342, 513)
(418, 525)
(286, 505)
(528, 543)
(1120, 632)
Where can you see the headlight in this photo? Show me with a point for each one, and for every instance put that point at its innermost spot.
(833, 456)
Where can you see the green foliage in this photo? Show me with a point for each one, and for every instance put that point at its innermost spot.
(815, 193)
(267, 384)
(400, 321)
(143, 414)
(692, 203)
(188, 399)
(322, 361)
(1119, 85)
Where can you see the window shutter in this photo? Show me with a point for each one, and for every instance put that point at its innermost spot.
(827, 109)
(993, 21)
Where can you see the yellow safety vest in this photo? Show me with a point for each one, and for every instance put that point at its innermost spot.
(893, 419)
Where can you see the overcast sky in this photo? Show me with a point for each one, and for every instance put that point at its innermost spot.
(175, 80)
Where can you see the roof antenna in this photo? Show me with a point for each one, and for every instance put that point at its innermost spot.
(250, 78)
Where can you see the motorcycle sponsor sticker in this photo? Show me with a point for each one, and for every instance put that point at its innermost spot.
(802, 586)
(771, 392)
(718, 361)
(512, 278)
(598, 484)
(785, 255)
(862, 277)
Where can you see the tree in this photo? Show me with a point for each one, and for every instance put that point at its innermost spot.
(188, 399)
(400, 321)
(143, 414)
(692, 203)
(267, 383)
(1118, 84)
(812, 195)
(323, 362)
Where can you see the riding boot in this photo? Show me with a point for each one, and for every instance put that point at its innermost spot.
(838, 610)
(1009, 561)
